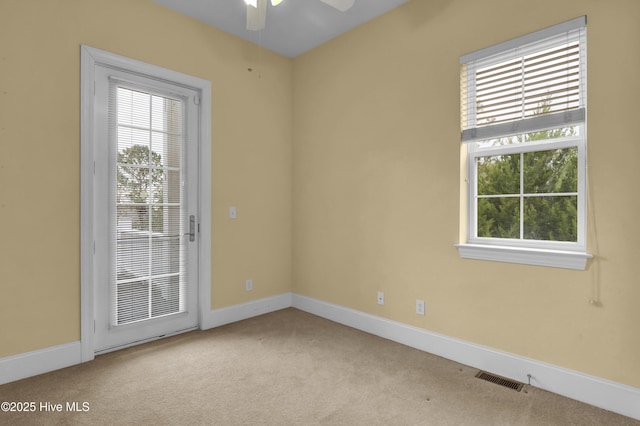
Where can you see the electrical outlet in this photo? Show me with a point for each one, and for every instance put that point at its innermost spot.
(380, 298)
(248, 285)
(420, 307)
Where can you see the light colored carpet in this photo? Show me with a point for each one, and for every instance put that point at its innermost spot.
(286, 368)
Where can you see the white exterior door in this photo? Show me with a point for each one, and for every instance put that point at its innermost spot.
(145, 208)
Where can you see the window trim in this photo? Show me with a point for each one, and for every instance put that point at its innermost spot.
(568, 142)
(525, 255)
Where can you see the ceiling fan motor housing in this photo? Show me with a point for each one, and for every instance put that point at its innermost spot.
(257, 11)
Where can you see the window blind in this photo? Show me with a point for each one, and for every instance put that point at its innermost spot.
(146, 132)
(517, 88)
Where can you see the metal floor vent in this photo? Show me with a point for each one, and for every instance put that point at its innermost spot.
(508, 383)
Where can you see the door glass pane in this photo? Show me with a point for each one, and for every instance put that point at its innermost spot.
(149, 246)
(166, 252)
(131, 301)
(165, 296)
(132, 254)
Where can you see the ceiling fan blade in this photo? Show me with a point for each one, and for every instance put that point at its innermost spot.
(257, 16)
(341, 5)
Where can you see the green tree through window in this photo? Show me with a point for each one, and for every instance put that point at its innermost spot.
(546, 192)
(141, 181)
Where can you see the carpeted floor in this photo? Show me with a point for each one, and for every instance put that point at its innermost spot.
(285, 368)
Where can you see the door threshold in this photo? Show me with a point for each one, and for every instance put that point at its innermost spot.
(143, 341)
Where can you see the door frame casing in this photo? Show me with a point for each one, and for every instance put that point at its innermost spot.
(89, 58)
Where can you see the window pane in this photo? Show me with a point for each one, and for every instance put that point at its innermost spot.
(498, 174)
(551, 218)
(551, 171)
(561, 132)
(499, 217)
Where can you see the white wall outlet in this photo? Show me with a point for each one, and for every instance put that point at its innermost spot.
(380, 298)
(232, 212)
(419, 307)
(248, 285)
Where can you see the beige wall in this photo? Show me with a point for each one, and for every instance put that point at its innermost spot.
(372, 186)
(40, 154)
(377, 184)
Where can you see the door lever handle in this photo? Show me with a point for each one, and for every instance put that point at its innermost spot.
(192, 228)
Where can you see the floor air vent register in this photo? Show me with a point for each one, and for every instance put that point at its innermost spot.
(507, 383)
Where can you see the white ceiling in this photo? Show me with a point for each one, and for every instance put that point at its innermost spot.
(292, 28)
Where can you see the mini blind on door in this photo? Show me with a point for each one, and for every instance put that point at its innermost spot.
(531, 83)
(146, 133)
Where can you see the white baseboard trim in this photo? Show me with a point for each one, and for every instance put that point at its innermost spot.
(41, 361)
(222, 316)
(612, 396)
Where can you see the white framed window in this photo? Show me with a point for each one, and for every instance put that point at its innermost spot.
(523, 112)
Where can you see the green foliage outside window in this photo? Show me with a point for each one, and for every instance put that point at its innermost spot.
(141, 181)
(548, 217)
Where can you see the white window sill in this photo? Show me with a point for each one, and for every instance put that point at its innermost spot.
(525, 256)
